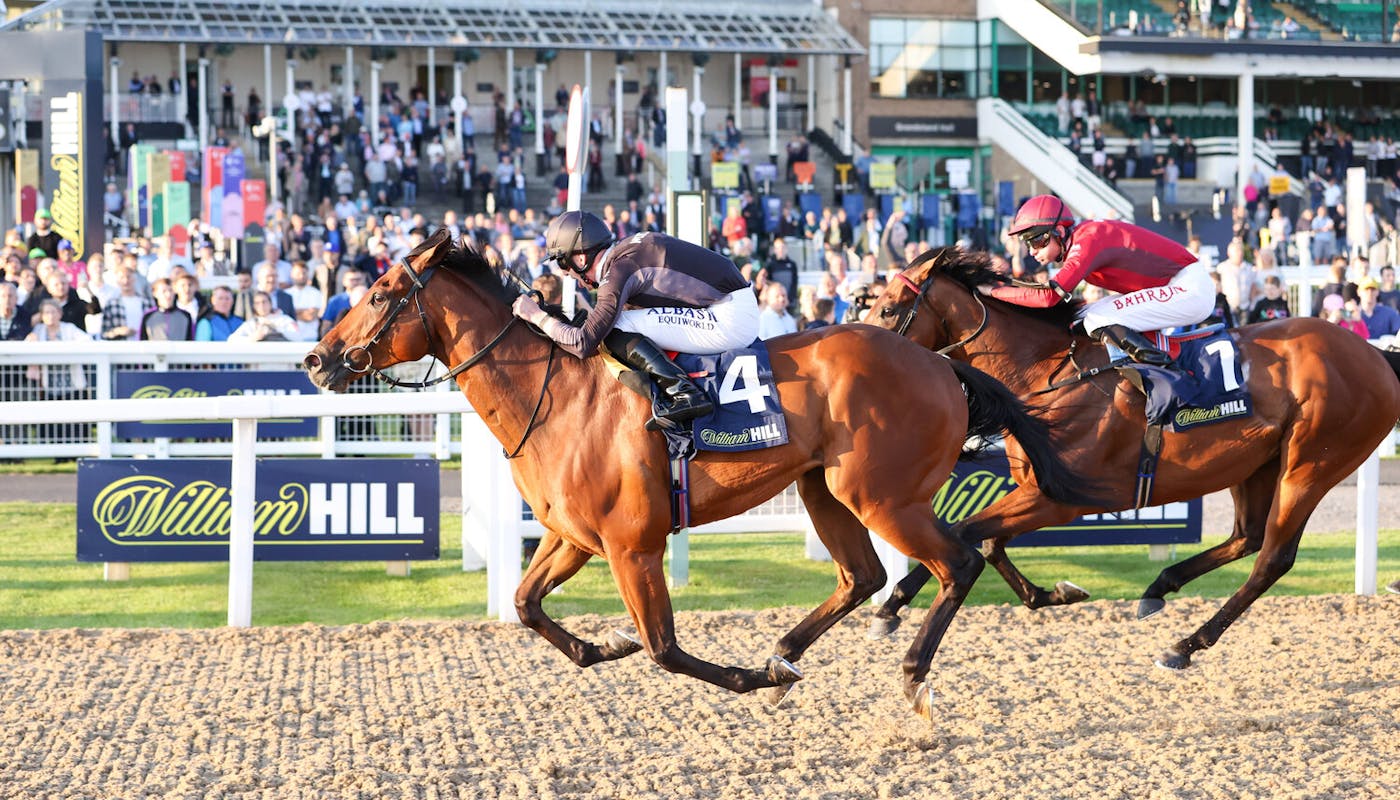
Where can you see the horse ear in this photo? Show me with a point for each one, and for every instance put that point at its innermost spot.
(432, 250)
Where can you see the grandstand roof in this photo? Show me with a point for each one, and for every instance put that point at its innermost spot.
(785, 27)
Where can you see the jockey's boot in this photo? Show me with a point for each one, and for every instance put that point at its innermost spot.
(681, 399)
(1134, 344)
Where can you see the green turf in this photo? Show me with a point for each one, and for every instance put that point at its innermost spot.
(43, 586)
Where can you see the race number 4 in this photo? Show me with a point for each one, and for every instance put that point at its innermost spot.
(741, 383)
(1225, 351)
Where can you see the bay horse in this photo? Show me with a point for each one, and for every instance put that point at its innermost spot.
(1323, 400)
(875, 425)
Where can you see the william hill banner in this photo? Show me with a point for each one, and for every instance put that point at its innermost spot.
(978, 482)
(146, 384)
(305, 510)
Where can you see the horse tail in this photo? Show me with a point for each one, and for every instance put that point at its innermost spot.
(992, 410)
(1392, 357)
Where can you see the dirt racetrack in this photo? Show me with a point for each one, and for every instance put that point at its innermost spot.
(1301, 699)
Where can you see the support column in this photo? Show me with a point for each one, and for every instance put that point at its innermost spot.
(738, 91)
(539, 119)
(115, 92)
(698, 121)
(374, 68)
(510, 80)
(587, 70)
(432, 86)
(773, 113)
(203, 102)
(347, 100)
(617, 116)
(1246, 142)
(846, 115)
(294, 109)
(269, 99)
(457, 115)
(182, 97)
(811, 93)
(662, 82)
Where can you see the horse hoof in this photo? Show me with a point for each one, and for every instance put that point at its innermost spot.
(1148, 606)
(881, 627)
(775, 695)
(621, 644)
(1393, 587)
(781, 671)
(923, 700)
(1173, 660)
(1070, 593)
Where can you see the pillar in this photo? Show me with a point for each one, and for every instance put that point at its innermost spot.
(347, 100)
(738, 91)
(432, 86)
(203, 102)
(1246, 143)
(115, 92)
(374, 68)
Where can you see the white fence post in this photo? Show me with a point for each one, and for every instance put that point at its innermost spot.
(1368, 477)
(242, 484)
(896, 566)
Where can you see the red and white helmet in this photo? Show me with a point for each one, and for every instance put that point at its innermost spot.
(1044, 213)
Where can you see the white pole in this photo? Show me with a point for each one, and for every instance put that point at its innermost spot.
(182, 97)
(269, 99)
(587, 70)
(617, 112)
(1246, 142)
(292, 114)
(504, 548)
(272, 159)
(1367, 536)
(374, 68)
(203, 102)
(457, 118)
(242, 484)
(699, 119)
(738, 91)
(539, 119)
(846, 133)
(811, 92)
(662, 81)
(347, 101)
(116, 104)
(432, 86)
(510, 80)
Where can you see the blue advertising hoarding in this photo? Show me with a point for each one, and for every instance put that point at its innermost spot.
(212, 383)
(978, 482)
(305, 510)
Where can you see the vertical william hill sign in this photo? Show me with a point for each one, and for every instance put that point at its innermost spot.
(304, 510)
(65, 135)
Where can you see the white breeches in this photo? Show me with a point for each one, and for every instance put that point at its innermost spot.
(1186, 300)
(726, 325)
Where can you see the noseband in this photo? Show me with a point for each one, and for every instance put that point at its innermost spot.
(921, 297)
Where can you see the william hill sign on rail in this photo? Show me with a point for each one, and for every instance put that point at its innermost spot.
(305, 510)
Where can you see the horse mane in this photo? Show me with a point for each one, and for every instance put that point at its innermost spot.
(482, 266)
(973, 269)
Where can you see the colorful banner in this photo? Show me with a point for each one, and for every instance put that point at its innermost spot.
(73, 162)
(305, 510)
(26, 185)
(178, 165)
(138, 163)
(231, 217)
(724, 174)
(882, 175)
(177, 204)
(254, 202)
(212, 176)
(144, 384)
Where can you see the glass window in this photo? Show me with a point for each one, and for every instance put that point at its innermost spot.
(923, 57)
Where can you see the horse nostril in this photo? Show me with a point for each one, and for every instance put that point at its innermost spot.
(312, 361)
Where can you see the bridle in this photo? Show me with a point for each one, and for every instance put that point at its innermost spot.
(420, 282)
(921, 297)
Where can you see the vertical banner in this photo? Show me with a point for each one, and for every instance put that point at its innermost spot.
(1006, 198)
(231, 216)
(73, 161)
(772, 212)
(212, 177)
(178, 166)
(157, 176)
(177, 205)
(254, 203)
(137, 166)
(26, 185)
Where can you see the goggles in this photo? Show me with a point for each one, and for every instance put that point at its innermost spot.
(1040, 239)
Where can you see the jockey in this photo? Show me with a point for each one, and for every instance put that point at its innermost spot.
(1159, 282)
(654, 291)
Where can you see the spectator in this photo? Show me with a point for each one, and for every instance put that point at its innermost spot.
(1334, 310)
(58, 381)
(187, 296)
(13, 325)
(122, 319)
(340, 303)
(774, 319)
(1238, 280)
(1389, 295)
(735, 227)
(218, 320)
(207, 264)
(1380, 320)
(823, 313)
(75, 309)
(1273, 305)
(44, 236)
(780, 267)
(265, 280)
(307, 302)
(166, 322)
(268, 323)
(281, 269)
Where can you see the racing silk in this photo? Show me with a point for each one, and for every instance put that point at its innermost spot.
(1118, 256)
(649, 270)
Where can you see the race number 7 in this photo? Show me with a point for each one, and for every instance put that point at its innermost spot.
(1225, 351)
(741, 383)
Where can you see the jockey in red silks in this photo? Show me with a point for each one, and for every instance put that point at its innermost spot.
(1159, 283)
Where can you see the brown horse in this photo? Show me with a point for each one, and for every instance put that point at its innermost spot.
(875, 425)
(1323, 399)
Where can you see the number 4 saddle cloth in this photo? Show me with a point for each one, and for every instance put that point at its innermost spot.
(1209, 383)
(747, 415)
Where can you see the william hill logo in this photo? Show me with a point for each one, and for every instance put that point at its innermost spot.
(159, 392)
(962, 496)
(1191, 417)
(143, 509)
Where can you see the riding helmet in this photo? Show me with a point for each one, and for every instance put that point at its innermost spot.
(1044, 213)
(575, 232)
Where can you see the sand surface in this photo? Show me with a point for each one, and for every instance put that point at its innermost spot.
(1301, 699)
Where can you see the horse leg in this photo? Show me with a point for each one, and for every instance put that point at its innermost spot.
(642, 584)
(956, 564)
(556, 561)
(1032, 596)
(1253, 498)
(887, 618)
(1298, 493)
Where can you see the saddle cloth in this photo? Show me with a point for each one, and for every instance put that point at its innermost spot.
(1208, 386)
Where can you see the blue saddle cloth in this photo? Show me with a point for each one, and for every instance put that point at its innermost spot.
(747, 413)
(1208, 386)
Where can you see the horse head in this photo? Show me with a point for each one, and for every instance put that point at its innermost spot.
(397, 321)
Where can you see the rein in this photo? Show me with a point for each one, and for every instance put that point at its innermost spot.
(419, 284)
(921, 296)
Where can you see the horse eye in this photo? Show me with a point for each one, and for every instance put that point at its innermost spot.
(376, 299)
